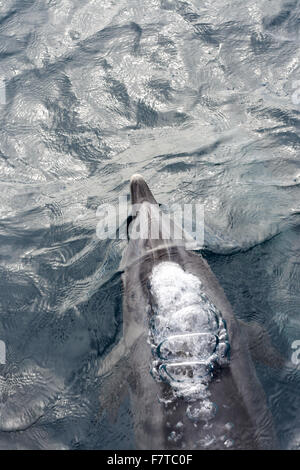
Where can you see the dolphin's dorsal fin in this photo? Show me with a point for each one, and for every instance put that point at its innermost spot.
(260, 346)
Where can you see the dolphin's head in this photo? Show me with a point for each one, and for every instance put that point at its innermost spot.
(145, 212)
(149, 228)
(145, 225)
(140, 191)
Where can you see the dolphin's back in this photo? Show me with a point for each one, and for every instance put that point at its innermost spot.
(229, 409)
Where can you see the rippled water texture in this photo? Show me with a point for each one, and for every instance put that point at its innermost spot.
(202, 98)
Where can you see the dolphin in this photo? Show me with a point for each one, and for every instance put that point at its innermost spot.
(185, 361)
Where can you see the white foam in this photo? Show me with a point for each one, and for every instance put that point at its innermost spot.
(173, 288)
(187, 334)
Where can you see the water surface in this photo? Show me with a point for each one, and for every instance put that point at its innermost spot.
(198, 96)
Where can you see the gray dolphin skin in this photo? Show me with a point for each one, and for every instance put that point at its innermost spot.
(184, 359)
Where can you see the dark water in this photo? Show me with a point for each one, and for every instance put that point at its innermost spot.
(202, 98)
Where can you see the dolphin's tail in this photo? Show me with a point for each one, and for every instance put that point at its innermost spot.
(140, 191)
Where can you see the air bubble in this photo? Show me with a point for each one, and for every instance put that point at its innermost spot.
(228, 443)
(184, 371)
(188, 335)
(203, 411)
(199, 345)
